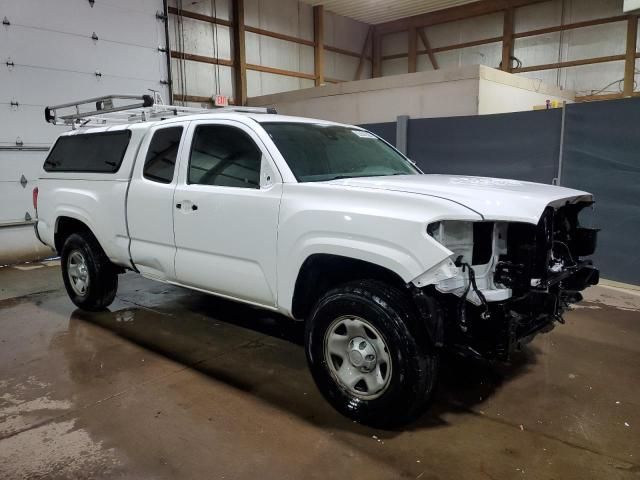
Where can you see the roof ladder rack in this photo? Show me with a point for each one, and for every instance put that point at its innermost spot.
(109, 110)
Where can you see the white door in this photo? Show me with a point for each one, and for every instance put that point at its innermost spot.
(150, 204)
(226, 208)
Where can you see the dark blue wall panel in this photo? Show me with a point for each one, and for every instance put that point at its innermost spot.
(523, 145)
(602, 156)
(384, 130)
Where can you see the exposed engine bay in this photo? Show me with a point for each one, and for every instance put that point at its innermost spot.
(513, 279)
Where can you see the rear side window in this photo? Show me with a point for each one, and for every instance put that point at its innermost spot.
(161, 156)
(225, 156)
(89, 152)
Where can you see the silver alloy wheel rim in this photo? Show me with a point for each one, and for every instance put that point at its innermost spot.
(78, 272)
(357, 357)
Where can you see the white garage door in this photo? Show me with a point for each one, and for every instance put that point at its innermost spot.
(54, 52)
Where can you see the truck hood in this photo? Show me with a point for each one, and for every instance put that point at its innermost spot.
(491, 198)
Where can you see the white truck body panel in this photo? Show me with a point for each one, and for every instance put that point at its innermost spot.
(250, 244)
(493, 198)
(386, 228)
(150, 217)
(229, 244)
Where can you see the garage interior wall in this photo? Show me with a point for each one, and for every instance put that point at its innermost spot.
(601, 157)
(604, 40)
(499, 145)
(55, 52)
(202, 64)
(285, 64)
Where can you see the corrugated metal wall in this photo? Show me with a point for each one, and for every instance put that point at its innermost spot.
(286, 17)
(48, 56)
(601, 40)
(201, 38)
(343, 32)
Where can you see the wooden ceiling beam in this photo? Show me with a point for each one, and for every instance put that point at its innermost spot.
(363, 53)
(412, 64)
(318, 41)
(428, 49)
(239, 54)
(376, 54)
(201, 58)
(570, 63)
(630, 56)
(199, 16)
(507, 39)
(571, 26)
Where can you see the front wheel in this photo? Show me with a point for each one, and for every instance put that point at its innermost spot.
(369, 355)
(90, 278)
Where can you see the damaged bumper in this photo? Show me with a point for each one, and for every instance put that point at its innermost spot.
(514, 322)
(513, 280)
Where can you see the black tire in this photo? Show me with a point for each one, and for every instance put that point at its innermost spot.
(102, 276)
(414, 361)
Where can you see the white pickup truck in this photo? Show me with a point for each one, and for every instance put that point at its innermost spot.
(324, 223)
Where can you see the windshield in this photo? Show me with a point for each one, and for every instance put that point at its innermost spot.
(317, 152)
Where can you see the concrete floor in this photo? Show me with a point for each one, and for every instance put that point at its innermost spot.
(175, 384)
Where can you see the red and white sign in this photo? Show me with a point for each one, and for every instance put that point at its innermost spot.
(221, 101)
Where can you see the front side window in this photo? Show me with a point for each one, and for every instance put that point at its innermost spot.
(319, 152)
(160, 162)
(100, 152)
(225, 156)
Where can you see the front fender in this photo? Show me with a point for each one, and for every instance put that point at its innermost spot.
(394, 257)
(385, 229)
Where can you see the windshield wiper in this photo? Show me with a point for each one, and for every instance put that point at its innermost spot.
(339, 177)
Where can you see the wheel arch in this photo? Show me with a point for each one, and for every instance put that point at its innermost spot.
(322, 271)
(67, 225)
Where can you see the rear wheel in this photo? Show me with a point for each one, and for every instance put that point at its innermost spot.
(368, 354)
(90, 278)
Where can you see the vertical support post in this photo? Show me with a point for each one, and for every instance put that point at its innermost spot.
(318, 42)
(402, 128)
(427, 46)
(507, 40)
(363, 54)
(630, 55)
(413, 50)
(167, 43)
(239, 55)
(376, 54)
(558, 179)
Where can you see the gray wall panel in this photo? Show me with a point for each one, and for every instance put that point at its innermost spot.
(602, 156)
(523, 145)
(384, 130)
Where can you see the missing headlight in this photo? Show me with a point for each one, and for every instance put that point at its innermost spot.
(471, 240)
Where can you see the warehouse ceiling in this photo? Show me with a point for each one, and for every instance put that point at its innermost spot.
(380, 11)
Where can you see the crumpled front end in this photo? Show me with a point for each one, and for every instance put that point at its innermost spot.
(511, 280)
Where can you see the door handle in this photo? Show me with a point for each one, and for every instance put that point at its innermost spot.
(186, 204)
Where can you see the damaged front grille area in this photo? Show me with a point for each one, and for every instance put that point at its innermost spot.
(540, 256)
(542, 266)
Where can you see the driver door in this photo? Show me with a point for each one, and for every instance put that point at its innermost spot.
(226, 206)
